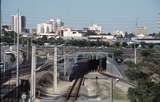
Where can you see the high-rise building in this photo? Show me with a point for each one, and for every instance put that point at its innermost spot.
(21, 21)
(141, 30)
(50, 26)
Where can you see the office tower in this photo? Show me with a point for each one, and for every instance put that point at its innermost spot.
(142, 30)
(21, 21)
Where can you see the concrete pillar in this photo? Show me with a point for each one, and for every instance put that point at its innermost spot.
(100, 62)
(106, 61)
(97, 56)
(111, 93)
(48, 56)
(112, 81)
(33, 75)
(55, 69)
(75, 58)
(112, 63)
(135, 54)
(65, 65)
(27, 49)
(4, 63)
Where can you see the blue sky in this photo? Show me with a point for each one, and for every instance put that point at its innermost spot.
(111, 14)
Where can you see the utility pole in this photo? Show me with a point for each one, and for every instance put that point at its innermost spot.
(4, 62)
(0, 20)
(14, 43)
(111, 83)
(136, 22)
(107, 62)
(65, 64)
(111, 89)
(17, 70)
(27, 48)
(136, 26)
(55, 68)
(33, 74)
(135, 59)
(135, 54)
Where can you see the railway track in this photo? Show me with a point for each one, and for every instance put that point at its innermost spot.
(73, 92)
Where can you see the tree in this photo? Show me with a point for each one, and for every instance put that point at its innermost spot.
(44, 38)
(124, 44)
(151, 46)
(8, 37)
(118, 55)
(129, 36)
(146, 76)
(117, 44)
(158, 35)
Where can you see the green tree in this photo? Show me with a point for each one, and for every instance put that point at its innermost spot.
(146, 76)
(44, 38)
(124, 44)
(8, 37)
(158, 35)
(151, 46)
(117, 45)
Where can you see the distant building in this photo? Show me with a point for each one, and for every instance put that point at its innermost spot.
(34, 30)
(50, 26)
(22, 24)
(97, 29)
(44, 28)
(147, 40)
(68, 33)
(119, 33)
(141, 30)
(101, 37)
(6, 27)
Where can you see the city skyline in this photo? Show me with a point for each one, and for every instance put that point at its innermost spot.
(111, 15)
(22, 24)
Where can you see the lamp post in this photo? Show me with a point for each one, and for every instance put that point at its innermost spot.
(112, 83)
(112, 87)
(4, 58)
(135, 54)
(33, 72)
(17, 64)
(55, 68)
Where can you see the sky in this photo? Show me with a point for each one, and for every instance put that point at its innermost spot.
(110, 14)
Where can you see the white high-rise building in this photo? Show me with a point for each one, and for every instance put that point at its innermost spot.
(21, 21)
(97, 29)
(68, 33)
(50, 26)
(44, 28)
(142, 30)
(119, 33)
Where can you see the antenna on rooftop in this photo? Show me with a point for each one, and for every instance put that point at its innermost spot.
(136, 22)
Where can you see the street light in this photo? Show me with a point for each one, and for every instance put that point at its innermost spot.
(112, 87)
(17, 69)
(55, 66)
(135, 54)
